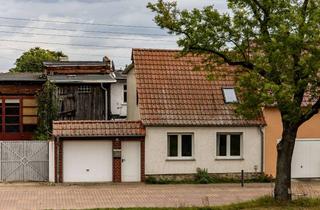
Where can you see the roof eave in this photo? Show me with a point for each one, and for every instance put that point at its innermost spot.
(128, 69)
(97, 136)
(82, 81)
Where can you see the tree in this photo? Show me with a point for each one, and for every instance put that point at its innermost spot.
(47, 110)
(275, 44)
(32, 60)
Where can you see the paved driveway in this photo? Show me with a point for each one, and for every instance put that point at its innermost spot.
(42, 196)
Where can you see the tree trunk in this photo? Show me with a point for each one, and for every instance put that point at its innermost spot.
(282, 191)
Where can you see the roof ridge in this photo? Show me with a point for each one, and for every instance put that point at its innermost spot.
(95, 121)
(156, 50)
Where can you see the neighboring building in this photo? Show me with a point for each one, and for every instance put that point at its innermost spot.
(84, 88)
(305, 160)
(119, 96)
(18, 105)
(190, 121)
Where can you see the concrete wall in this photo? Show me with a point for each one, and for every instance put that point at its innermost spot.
(273, 131)
(118, 107)
(204, 147)
(51, 162)
(133, 111)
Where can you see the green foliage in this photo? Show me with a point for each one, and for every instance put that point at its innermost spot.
(32, 60)
(47, 111)
(203, 177)
(274, 44)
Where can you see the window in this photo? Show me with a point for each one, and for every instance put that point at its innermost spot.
(12, 115)
(18, 115)
(180, 145)
(229, 95)
(29, 114)
(125, 96)
(84, 89)
(229, 145)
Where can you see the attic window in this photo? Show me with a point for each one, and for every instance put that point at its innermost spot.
(229, 95)
(84, 89)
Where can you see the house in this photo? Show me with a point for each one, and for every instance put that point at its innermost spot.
(190, 121)
(305, 160)
(18, 105)
(177, 121)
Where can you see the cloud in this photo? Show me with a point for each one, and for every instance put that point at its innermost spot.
(117, 46)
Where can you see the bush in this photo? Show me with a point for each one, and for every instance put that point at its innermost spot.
(203, 176)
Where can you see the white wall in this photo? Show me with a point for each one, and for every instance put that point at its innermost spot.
(204, 151)
(133, 110)
(51, 161)
(118, 107)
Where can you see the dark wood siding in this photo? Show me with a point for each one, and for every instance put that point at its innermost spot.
(81, 102)
(17, 88)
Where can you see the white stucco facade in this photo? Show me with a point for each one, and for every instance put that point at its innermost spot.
(117, 103)
(204, 151)
(133, 109)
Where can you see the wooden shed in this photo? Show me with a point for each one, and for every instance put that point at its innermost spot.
(83, 88)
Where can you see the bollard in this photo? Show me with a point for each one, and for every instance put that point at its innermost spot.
(242, 178)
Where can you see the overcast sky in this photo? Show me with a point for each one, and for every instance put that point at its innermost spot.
(83, 41)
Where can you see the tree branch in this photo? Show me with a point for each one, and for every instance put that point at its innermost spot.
(314, 110)
(230, 62)
(304, 8)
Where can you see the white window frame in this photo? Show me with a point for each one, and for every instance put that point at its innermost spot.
(228, 156)
(225, 96)
(180, 157)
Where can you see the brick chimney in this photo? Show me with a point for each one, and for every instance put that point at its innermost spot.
(107, 61)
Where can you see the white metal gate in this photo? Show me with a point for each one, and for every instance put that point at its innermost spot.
(24, 161)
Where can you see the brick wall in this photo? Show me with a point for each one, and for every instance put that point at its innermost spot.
(116, 163)
(58, 150)
(142, 150)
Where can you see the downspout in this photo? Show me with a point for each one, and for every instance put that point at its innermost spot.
(106, 101)
(262, 147)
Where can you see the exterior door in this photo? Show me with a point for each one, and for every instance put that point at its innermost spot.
(306, 159)
(87, 161)
(131, 161)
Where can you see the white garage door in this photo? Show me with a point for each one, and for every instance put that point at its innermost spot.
(87, 161)
(306, 159)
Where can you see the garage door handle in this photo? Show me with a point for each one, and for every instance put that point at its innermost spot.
(122, 160)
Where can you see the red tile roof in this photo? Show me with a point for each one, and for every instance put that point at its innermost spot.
(172, 93)
(90, 128)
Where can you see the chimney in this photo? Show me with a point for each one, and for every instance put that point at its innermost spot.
(107, 61)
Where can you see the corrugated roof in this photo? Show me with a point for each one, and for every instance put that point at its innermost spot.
(82, 78)
(22, 77)
(172, 93)
(94, 128)
(119, 75)
(73, 63)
